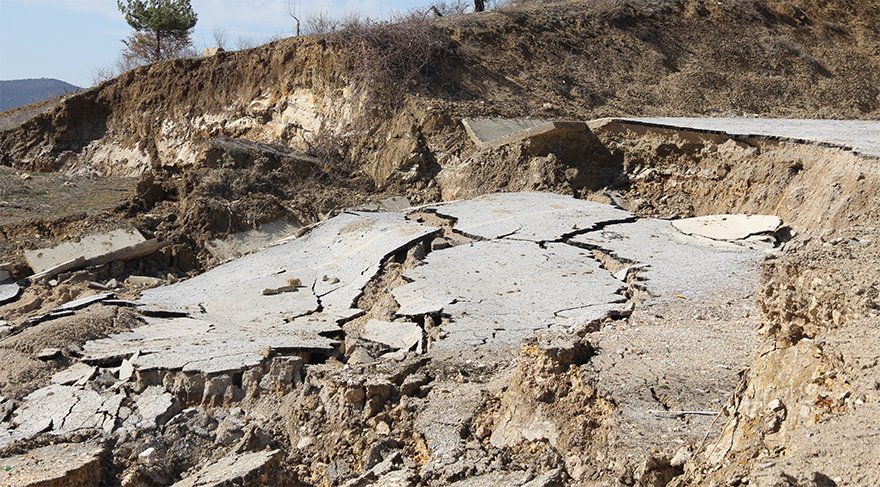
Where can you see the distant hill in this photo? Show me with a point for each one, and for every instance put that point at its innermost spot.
(20, 92)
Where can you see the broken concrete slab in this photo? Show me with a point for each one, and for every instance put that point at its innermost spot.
(9, 293)
(154, 407)
(67, 464)
(537, 217)
(671, 265)
(49, 353)
(349, 247)
(235, 469)
(92, 249)
(83, 302)
(862, 136)
(62, 410)
(397, 335)
(243, 243)
(500, 291)
(497, 132)
(485, 130)
(234, 334)
(194, 345)
(728, 227)
(77, 374)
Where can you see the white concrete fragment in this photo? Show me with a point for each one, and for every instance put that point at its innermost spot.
(538, 217)
(485, 130)
(496, 132)
(728, 227)
(126, 369)
(155, 407)
(147, 457)
(77, 374)
(401, 336)
(63, 410)
(63, 464)
(92, 250)
(9, 292)
(84, 302)
(235, 469)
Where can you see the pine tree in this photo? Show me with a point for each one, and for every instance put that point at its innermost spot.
(167, 22)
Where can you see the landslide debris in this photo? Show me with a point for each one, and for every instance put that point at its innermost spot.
(688, 368)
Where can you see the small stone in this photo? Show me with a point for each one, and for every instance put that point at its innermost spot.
(682, 456)
(360, 356)
(126, 370)
(49, 353)
(278, 290)
(24, 176)
(147, 457)
(143, 282)
(112, 284)
(355, 394)
(97, 285)
(383, 429)
(293, 281)
(440, 243)
(412, 384)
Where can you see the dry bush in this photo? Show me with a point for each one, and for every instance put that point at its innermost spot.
(332, 152)
(452, 8)
(386, 56)
(320, 24)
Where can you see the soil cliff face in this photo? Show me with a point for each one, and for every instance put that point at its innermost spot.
(568, 59)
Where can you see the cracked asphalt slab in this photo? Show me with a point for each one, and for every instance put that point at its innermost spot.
(532, 266)
(861, 136)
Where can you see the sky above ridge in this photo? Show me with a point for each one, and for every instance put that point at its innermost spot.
(71, 39)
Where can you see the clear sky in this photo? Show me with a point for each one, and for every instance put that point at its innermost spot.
(70, 39)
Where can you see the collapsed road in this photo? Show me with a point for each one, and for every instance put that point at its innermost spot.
(405, 335)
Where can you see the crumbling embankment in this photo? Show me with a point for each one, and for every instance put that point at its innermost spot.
(640, 58)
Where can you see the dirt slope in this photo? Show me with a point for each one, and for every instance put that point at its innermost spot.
(566, 59)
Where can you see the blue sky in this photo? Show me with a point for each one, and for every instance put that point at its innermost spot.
(71, 39)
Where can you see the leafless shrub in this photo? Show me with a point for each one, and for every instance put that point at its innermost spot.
(451, 8)
(332, 153)
(321, 23)
(392, 53)
(243, 43)
(221, 38)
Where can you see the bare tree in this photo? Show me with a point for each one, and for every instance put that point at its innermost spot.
(293, 10)
(479, 5)
(221, 37)
(243, 43)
